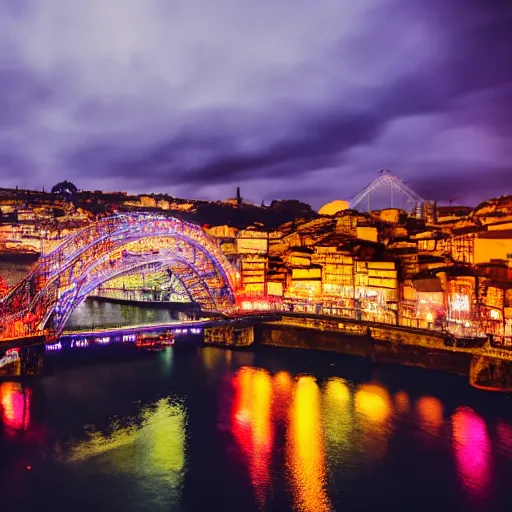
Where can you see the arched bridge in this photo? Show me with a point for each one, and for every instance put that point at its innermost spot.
(109, 248)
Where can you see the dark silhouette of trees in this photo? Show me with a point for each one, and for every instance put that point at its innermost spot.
(65, 188)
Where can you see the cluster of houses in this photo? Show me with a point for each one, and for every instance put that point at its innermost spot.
(451, 268)
(447, 267)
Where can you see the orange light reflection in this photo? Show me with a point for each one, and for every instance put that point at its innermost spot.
(402, 402)
(305, 450)
(374, 407)
(373, 402)
(430, 412)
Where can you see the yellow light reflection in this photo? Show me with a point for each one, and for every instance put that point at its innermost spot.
(402, 403)
(152, 449)
(305, 450)
(430, 412)
(338, 415)
(211, 357)
(251, 425)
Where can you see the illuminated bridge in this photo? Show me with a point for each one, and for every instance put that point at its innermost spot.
(110, 248)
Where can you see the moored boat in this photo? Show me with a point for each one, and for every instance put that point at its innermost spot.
(155, 341)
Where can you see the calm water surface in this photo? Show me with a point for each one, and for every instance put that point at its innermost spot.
(212, 429)
(93, 313)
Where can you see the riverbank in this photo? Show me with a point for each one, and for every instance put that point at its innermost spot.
(384, 344)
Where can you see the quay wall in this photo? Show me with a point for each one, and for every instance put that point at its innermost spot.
(388, 347)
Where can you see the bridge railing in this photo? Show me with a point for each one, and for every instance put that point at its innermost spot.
(120, 327)
(379, 315)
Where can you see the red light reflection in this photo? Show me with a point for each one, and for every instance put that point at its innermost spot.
(282, 387)
(15, 402)
(251, 425)
(472, 449)
(505, 437)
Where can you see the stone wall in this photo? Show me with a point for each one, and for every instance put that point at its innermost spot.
(396, 346)
(297, 337)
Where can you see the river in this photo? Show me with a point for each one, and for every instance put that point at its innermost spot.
(93, 313)
(212, 429)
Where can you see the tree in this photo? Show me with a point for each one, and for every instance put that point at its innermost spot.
(64, 188)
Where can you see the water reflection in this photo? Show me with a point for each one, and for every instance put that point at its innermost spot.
(504, 431)
(373, 402)
(281, 393)
(430, 414)
(149, 449)
(472, 450)
(338, 417)
(305, 448)
(297, 443)
(402, 403)
(15, 406)
(374, 408)
(251, 425)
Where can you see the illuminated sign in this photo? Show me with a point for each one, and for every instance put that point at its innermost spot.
(460, 302)
(53, 347)
(495, 315)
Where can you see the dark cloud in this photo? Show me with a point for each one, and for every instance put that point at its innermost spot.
(467, 186)
(22, 93)
(148, 96)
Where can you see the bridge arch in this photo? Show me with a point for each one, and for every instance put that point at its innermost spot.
(113, 246)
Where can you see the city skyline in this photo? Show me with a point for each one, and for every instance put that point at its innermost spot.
(308, 101)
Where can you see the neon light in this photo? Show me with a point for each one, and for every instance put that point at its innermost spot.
(79, 344)
(54, 347)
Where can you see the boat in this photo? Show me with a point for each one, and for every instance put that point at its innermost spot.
(155, 341)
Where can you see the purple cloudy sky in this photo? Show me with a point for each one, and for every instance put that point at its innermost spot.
(288, 98)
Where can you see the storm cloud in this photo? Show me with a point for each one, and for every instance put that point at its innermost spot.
(307, 99)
